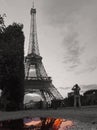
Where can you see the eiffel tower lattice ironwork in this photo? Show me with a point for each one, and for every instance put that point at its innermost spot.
(36, 78)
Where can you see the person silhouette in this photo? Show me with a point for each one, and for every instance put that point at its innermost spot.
(76, 89)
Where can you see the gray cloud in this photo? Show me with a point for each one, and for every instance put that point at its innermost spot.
(71, 14)
(89, 86)
(72, 50)
(64, 16)
(57, 11)
(64, 88)
(90, 66)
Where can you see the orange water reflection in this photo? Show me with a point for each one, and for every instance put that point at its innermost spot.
(49, 123)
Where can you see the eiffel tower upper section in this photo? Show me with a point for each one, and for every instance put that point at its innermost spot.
(33, 61)
(33, 41)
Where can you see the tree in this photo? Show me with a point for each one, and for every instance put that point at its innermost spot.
(12, 67)
(2, 25)
(12, 70)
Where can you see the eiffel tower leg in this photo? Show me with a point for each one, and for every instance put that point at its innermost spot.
(51, 95)
(51, 98)
(48, 99)
(44, 97)
(28, 72)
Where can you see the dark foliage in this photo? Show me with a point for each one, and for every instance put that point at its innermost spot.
(69, 102)
(90, 91)
(90, 97)
(2, 25)
(12, 67)
(57, 103)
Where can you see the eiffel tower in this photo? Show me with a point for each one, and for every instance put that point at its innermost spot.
(36, 78)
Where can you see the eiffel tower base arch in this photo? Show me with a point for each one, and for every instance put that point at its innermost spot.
(44, 88)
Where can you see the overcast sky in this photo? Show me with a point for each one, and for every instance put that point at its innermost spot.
(67, 37)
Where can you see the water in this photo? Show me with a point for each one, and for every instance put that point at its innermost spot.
(37, 123)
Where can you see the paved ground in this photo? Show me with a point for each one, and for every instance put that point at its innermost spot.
(83, 114)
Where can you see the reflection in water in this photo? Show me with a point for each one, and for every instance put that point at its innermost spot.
(42, 124)
(49, 124)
